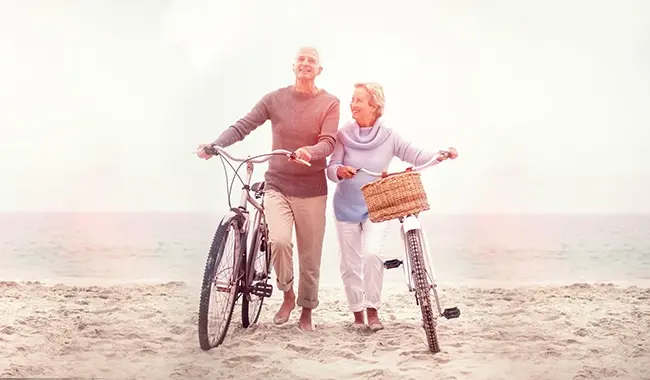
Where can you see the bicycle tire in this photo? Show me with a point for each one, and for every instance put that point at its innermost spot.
(422, 288)
(260, 239)
(214, 258)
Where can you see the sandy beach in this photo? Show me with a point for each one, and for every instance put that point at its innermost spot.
(149, 331)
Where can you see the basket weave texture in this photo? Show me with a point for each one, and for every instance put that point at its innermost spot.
(395, 196)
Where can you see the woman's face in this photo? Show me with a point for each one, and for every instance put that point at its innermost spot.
(362, 111)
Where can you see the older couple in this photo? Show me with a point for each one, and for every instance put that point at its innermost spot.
(304, 119)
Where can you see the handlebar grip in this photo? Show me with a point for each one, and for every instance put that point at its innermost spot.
(210, 149)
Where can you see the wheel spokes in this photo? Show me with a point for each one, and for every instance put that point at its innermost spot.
(223, 286)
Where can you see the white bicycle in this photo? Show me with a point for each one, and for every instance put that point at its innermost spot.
(401, 196)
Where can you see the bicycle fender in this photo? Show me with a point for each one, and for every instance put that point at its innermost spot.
(411, 223)
(229, 214)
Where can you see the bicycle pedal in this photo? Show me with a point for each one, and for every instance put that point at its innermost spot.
(391, 264)
(452, 312)
(262, 290)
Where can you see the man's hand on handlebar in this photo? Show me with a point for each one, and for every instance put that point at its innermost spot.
(301, 155)
(200, 151)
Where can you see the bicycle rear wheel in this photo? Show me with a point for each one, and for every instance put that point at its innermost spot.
(258, 266)
(221, 277)
(422, 288)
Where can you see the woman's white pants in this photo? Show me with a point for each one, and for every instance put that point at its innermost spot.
(362, 266)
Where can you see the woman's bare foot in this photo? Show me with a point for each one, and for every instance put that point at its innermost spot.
(288, 304)
(373, 320)
(359, 318)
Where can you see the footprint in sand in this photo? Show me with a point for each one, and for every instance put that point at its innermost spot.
(356, 347)
(374, 374)
(178, 330)
(298, 348)
(553, 317)
(245, 359)
(186, 371)
(7, 330)
(581, 332)
(510, 312)
(424, 355)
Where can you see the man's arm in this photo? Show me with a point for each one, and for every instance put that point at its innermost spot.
(327, 137)
(255, 117)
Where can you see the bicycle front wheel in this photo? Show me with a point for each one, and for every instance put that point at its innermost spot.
(220, 283)
(422, 288)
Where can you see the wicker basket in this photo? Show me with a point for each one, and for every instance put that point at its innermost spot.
(394, 196)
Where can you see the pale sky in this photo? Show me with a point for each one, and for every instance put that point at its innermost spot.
(548, 103)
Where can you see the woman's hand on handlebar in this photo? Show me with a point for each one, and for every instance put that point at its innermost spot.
(345, 172)
(451, 153)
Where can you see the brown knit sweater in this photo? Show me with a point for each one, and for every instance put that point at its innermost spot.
(297, 120)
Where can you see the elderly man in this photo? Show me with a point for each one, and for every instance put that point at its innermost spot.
(304, 119)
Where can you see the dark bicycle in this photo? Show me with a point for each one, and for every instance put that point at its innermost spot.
(238, 263)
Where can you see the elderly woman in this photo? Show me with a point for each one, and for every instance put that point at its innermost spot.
(364, 142)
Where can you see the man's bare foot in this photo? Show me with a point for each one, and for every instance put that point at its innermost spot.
(373, 320)
(305, 320)
(288, 304)
(359, 318)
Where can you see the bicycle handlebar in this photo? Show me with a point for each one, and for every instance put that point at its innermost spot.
(451, 153)
(216, 150)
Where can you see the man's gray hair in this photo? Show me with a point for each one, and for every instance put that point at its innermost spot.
(310, 50)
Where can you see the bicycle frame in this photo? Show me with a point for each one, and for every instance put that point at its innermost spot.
(240, 282)
(246, 198)
(245, 194)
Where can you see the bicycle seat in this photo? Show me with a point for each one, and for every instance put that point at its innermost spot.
(258, 186)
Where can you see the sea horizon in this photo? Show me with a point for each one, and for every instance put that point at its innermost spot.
(493, 250)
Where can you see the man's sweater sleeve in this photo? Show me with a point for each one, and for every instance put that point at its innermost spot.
(253, 119)
(327, 137)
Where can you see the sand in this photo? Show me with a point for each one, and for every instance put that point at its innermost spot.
(149, 331)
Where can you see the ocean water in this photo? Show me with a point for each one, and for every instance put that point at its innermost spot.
(529, 249)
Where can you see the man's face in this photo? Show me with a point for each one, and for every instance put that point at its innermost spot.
(306, 66)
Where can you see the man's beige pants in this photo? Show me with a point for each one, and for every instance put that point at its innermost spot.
(308, 215)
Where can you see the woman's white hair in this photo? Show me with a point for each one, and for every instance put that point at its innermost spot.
(376, 92)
